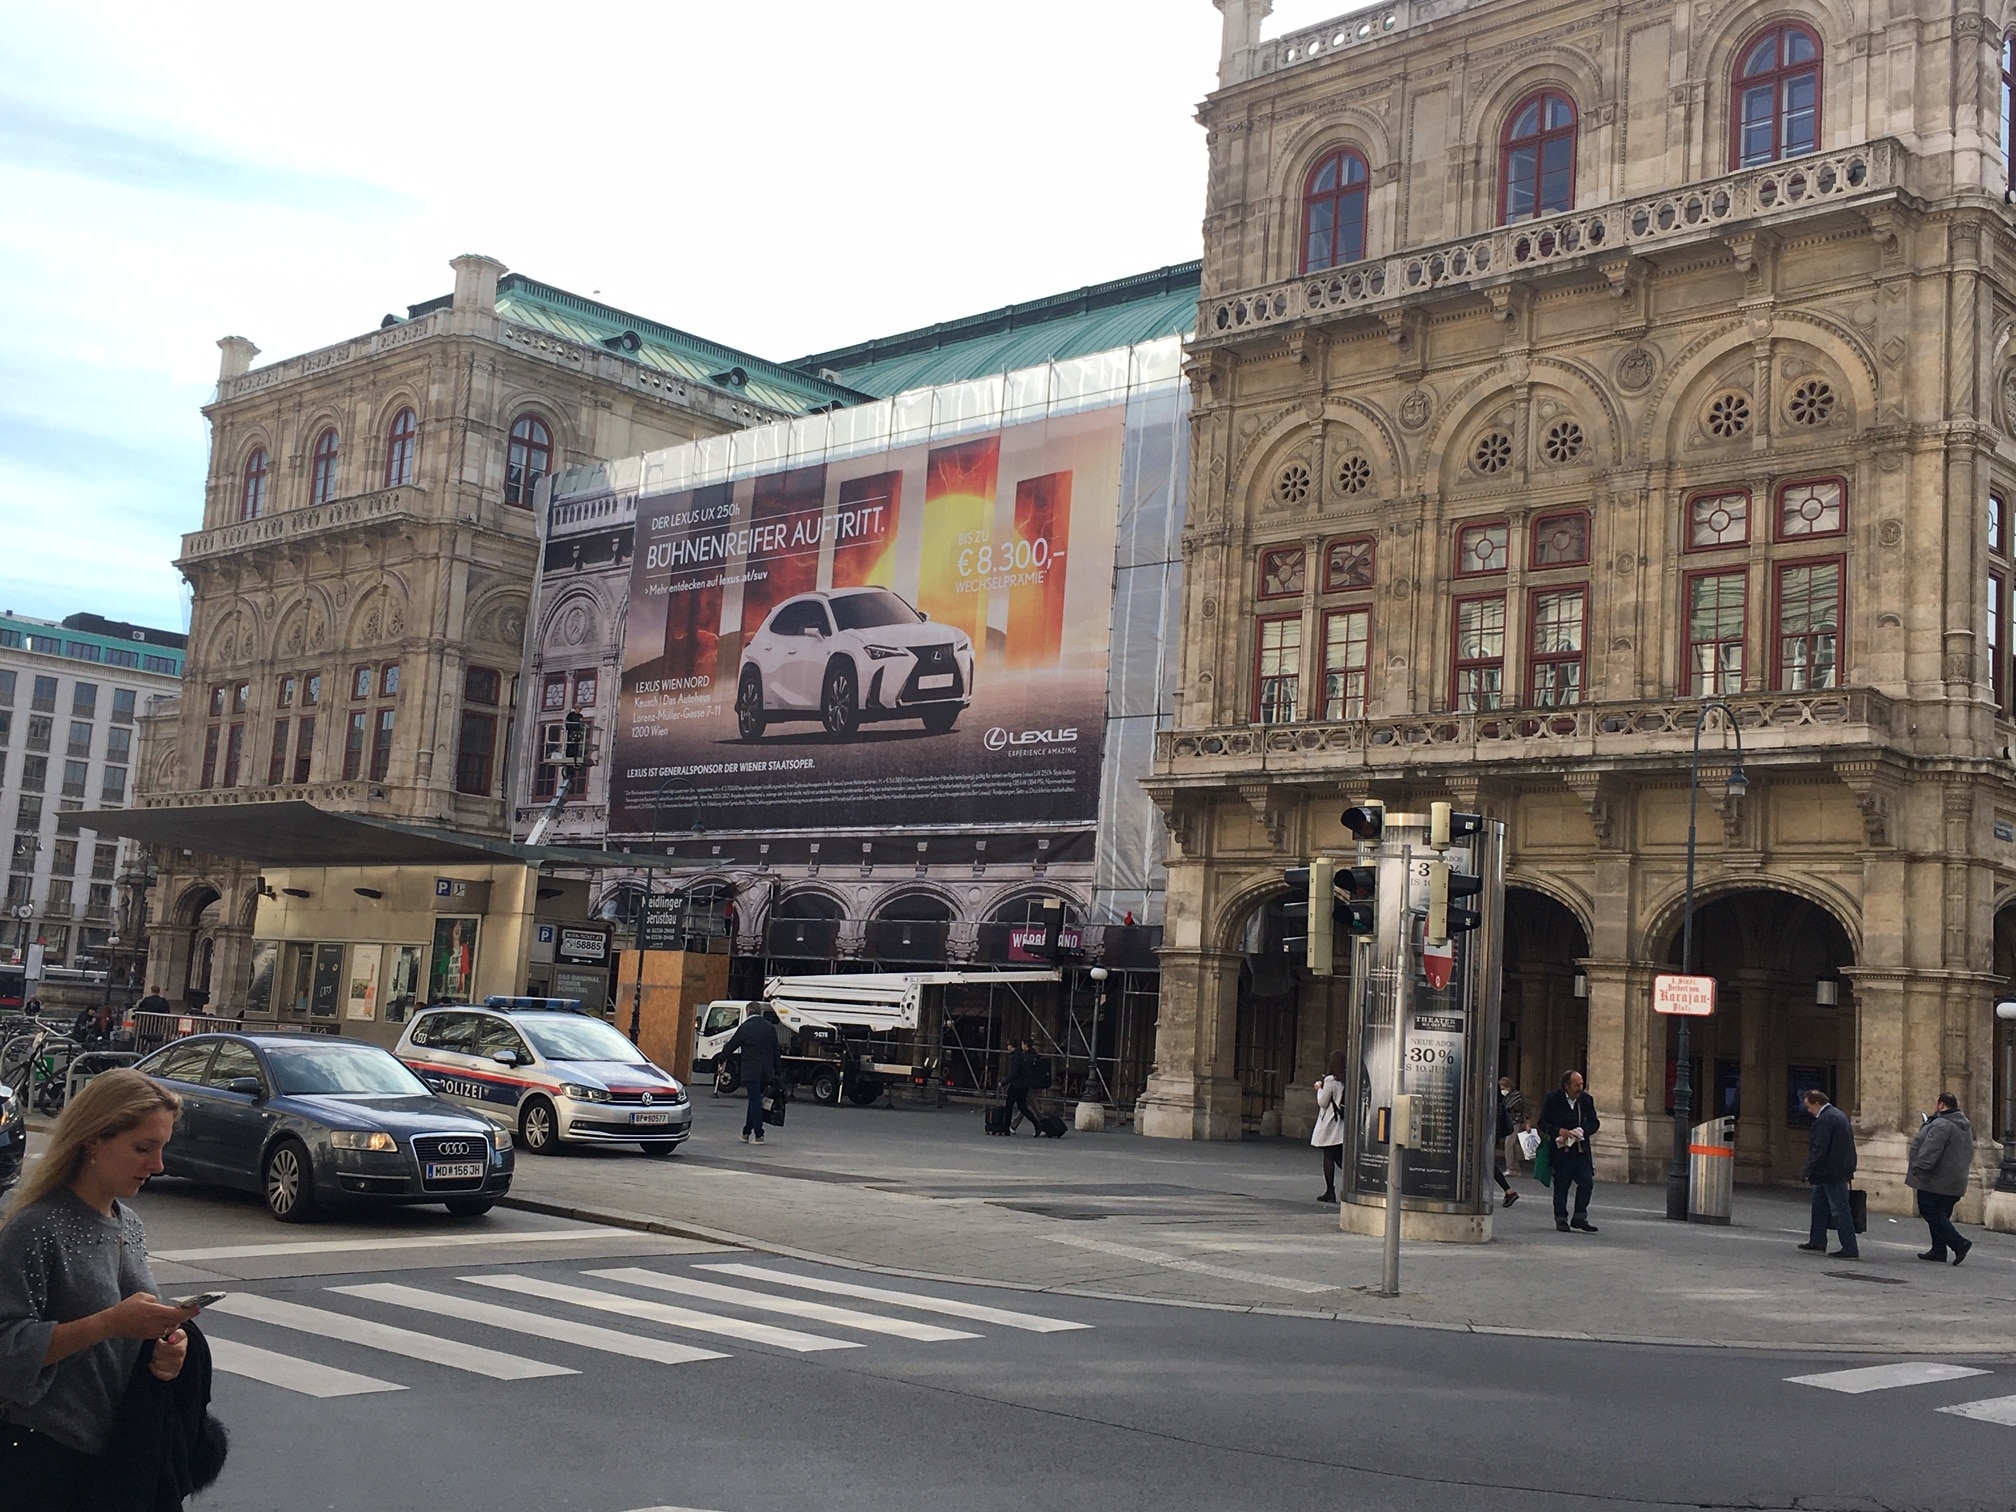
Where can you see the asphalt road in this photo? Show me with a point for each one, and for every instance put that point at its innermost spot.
(613, 1404)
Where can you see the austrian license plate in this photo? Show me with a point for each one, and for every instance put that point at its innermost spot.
(650, 1118)
(455, 1170)
(936, 680)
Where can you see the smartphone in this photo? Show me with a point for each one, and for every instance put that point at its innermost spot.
(201, 1299)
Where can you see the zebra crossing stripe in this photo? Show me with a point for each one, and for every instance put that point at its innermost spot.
(1994, 1410)
(1886, 1377)
(659, 1312)
(797, 1307)
(1028, 1322)
(563, 1330)
(290, 1374)
(374, 1335)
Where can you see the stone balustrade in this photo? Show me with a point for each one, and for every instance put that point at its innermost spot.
(387, 505)
(325, 358)
(1334, 36)
(1674, 217)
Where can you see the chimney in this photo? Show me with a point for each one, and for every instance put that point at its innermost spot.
(1240, 36)
(238, 355)
(476, 282)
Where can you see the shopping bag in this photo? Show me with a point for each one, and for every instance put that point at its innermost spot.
(1543, 1164)
(774, 1103)
(1529, 1143)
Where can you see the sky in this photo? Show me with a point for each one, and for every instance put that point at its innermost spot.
(783, 177)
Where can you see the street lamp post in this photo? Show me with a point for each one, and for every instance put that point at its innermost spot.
(644, 909)
(2005, 1179)
(1683, 1073)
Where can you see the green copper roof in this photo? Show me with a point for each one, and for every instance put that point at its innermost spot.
(665, 348)
(1097, 318)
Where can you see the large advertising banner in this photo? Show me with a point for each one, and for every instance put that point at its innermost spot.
(891, 640)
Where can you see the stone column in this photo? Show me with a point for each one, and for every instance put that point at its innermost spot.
(1190, 1096)
(1620, 999)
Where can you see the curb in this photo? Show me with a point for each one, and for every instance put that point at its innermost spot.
(648, 1224)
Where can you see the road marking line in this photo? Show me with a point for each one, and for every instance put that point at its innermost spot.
(1886, 1377)
(797, 1307)
(290, 1374)
(1177, 1262)
(444, 1241)
(374, 1335)
(1028, 1322)
(1994, 1410)
(562, 1330)
(659, 1312)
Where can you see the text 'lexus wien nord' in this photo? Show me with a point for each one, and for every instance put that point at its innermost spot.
(849, 657)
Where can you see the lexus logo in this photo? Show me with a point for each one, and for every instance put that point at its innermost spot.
(453, 1147)
(647, 1099)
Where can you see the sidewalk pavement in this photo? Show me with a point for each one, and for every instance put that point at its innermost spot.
(927, 1194)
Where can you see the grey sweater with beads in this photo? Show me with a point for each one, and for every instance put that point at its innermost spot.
(61, 1260)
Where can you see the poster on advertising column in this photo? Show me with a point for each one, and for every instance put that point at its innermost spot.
(917, 636)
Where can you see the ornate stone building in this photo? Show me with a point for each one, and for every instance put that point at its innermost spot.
(366, 558)
(1560, 366)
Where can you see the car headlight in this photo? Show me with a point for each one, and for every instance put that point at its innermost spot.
(500, 1139)
(882, 653)
(358, 1139)
(584, 1094)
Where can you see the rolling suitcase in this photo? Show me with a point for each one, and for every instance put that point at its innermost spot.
(997, 1119)
(1049, 1126)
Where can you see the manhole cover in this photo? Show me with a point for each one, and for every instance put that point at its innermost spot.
(1872, 1280)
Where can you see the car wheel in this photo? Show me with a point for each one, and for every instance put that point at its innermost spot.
(659, 1149)
(289, 1183)
(469, 1207)
(539, 1127)
(839, 709)
(938, 721)
(749, 719)
(826, 1087)
(863, 1093)
(725, 1080)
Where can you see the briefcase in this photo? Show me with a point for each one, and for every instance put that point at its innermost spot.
(774, 1103)
(1858, 1209)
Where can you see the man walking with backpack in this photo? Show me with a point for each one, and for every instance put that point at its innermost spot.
(762, 1055)
(1830, 1166)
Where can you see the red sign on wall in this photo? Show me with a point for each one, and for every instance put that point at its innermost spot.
(1693, 996)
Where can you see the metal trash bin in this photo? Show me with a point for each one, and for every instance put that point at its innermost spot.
(1711, 1170)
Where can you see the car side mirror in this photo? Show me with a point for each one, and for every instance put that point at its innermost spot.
(922, 615)
(813, 632)
(251, 1086)
(506, 1057)
(431, 1083)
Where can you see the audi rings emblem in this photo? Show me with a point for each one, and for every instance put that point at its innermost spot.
(453, 1147)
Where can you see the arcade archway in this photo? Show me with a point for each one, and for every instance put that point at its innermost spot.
(1543, 1018)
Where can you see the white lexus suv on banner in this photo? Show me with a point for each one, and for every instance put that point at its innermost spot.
(849, 657)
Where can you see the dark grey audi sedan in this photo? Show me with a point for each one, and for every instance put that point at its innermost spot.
(314, 1121)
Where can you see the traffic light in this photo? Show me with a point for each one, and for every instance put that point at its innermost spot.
(1367, 821)
(1317, 883)
(1444, 916)
(1356, 887)
(1446, 825)
(574, 745)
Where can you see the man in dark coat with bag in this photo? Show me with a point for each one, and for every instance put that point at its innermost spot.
(1942, 1158)
(1568, 1122)
(1830, 1166)
(762, 1056)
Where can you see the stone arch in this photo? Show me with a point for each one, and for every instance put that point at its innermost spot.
(1724, 40)
(189, 905)
(522, 402)
(918, 892)
(1269, 448)
(1545, 66)
(1675, 410)
(1389, 463)
(1586, 402)
(1663, 919)
(234, 638)
(1235, 911)
(1024, 892)
(302, 627)
(1347, 126)
(573, 625)
(1581, 907)
(1544, 1025)
(378, 617)
(498, 618)
(810, 895)
(400, 396)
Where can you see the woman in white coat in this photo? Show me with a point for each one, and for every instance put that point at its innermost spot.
(1329, 1135)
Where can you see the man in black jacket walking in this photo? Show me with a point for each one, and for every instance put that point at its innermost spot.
(1830, 1166)
(756, 1039)
(1021, 1072)
(1568, 1122)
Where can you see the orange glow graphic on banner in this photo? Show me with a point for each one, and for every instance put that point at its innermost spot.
(1034, 567)
(786, 516)
(864, 531)
(958, 534)
(693, 615)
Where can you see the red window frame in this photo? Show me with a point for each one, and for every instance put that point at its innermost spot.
(1687, 518)
(252, 485)
(1271, 554)
(234, 754)
(1998, 523)
(401, 441)
(1998, 606)
(475, 750)
(353, 744)
(1690, 663)
(1540, 522)
(322, 474)
(1459, 664)
(1775, 79)
(361, 678)
(1536, 142)
(1330, 550)
(1778, 570)
(1464, 529)
(276, 762)
(1349, 188)
(381, 742)
(1294, 677)
(586, 684)
(1778, 510)
(553, 694)
(527, 458)
(211, 736)
(1535, 659)
(1364, 672)
(304, 747)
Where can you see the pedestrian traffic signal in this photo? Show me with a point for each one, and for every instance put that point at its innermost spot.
(1445, 917)
(1356, 887)
(1367, 821)
(1317, 905)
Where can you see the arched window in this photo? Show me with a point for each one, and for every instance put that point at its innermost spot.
(1536, 164)
(1777, 91)
(1333, 210)
(2009, 105)
(252, 491)
(322, 477)
(529, 460)
(400, 443)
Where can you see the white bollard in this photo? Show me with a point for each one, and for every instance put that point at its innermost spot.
(1091, 1117)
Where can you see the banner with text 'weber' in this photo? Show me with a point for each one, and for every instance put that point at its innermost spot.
(915, 636)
